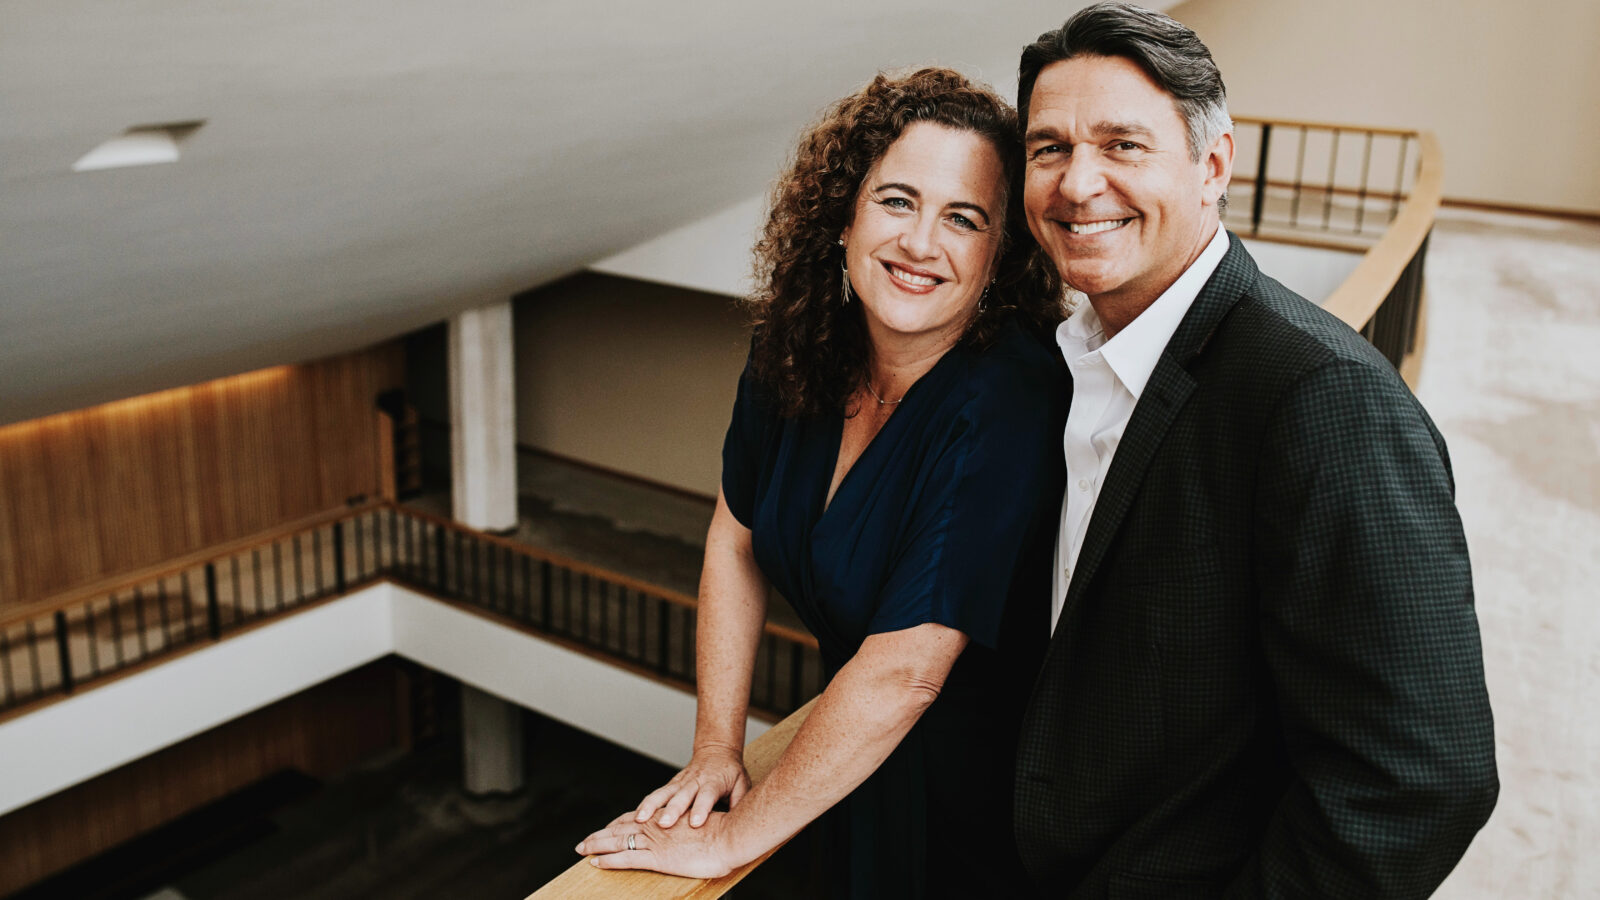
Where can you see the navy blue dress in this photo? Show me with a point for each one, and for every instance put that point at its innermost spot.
(948, 516)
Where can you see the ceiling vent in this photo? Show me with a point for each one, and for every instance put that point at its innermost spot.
(141, 145)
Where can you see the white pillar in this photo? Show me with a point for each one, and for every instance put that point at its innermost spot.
(491, 743)
(483, 421)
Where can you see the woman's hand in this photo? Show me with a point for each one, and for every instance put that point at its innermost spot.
(691, 852)
(713, 773)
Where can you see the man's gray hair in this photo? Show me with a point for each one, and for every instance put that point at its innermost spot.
(1167, 50)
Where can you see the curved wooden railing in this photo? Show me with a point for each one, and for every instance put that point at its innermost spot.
(1332, 190)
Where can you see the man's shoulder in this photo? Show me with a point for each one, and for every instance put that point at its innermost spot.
(1280, 331)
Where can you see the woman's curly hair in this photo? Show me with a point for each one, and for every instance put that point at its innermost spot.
(809, 349)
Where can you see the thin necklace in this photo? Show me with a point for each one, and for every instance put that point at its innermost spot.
(881, 401)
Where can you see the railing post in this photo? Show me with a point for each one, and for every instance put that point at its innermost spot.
(439, 557)
(213, 613)
(1258, 202)
(338, 557)
(63, 651)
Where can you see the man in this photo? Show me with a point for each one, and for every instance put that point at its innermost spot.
(1265, 677)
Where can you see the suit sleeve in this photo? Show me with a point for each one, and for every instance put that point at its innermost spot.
(1369, 634)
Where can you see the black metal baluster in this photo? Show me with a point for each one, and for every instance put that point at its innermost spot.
(63, 651)
(1333, 166)
(663, 636)
(394, 539)
(439, 574)
(460, 570)
(33, 659)
(277, 575)
(316, 560)
(138, 619)
(587, 609)
(88, 630)
(188, 611)
(116, 628)
(527, 587)
(1361, 197)
(1299, 170)
(234, 602)
(213, 613)
(1399, 178)
(255, 580)
(6, 678)
(338, 557)
(361, 547)
(299, 572)
(566, 602)
(1258, 202)
(605, 615)
(544, 593)
(166, 618)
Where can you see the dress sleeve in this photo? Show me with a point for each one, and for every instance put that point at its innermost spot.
(743, 447)
(984, 498)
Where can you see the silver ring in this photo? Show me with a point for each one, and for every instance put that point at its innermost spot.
(630, 842)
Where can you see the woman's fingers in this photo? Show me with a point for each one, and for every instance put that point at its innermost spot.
(680, 801)
(654, 800)
(704, 802)
(614, 838)
(627, 859)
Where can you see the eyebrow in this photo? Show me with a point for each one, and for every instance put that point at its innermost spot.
(1100, 129)
(917, 195)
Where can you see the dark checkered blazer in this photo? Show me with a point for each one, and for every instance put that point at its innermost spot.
(1267, 679)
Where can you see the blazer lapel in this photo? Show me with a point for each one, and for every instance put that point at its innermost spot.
(1164, 395)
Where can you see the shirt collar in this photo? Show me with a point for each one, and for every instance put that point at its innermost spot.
(1133, 352)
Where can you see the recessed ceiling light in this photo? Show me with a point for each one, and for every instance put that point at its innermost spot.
(141, 145)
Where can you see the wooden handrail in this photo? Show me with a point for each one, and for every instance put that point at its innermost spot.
(167, 568)
(583, 881)
(1359, 296)
(1326, 126)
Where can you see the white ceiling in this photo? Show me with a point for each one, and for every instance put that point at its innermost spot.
(370, 167)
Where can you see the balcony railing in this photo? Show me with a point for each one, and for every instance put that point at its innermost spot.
(1346, 187)
(88, 636)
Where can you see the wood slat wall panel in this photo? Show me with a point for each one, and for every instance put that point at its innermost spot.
(95, 492)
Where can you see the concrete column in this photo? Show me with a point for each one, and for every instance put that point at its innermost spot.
(491, 743)
(483, 420)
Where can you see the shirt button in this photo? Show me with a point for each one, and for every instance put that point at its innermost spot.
(1083, 484)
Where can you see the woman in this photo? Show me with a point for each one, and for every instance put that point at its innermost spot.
(893, 467)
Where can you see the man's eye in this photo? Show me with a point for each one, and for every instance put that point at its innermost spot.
(1047, 150)
(1127, 145)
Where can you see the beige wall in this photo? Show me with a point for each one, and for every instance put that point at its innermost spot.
(629, 375)
(1511, 89)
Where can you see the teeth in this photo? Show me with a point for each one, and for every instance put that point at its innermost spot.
(1096, 227)
(908, 278)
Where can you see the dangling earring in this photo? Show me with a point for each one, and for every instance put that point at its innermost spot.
(844, 273)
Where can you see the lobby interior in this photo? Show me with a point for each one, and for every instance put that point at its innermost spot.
(466, 276)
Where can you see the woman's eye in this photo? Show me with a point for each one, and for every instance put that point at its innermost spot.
(896, 202)
(963, 222)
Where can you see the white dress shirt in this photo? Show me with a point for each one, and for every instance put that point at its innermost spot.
(1107, 379)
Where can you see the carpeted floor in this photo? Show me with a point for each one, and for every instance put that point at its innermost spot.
(1511, 374)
